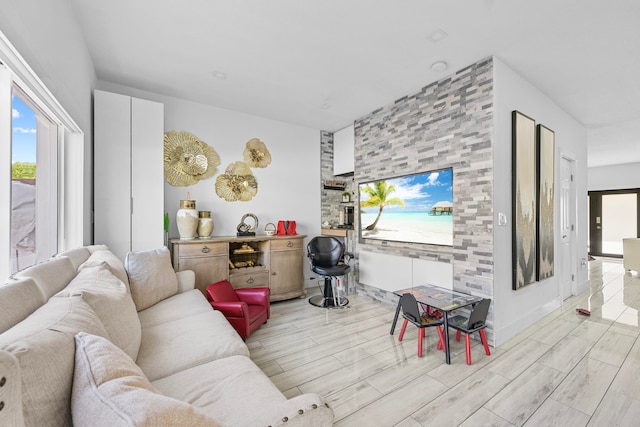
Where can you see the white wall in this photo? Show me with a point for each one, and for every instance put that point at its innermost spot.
(616, 177)
(48, 37)
(515, 310)
(289, 188)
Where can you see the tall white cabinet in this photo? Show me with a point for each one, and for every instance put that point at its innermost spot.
(128, 173)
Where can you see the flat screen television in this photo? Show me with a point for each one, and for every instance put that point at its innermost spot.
(415, 208)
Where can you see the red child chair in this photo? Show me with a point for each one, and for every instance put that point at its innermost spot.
(245, 308)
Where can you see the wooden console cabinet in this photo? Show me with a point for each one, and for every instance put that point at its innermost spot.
(275, 262)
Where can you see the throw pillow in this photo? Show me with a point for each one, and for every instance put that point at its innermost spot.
(110, 389)
(111, 301)
(106, 256)
(151, 276)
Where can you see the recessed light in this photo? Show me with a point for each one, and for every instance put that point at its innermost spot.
(439, 66)
(437, 35)
(325, 106)
(219, 75)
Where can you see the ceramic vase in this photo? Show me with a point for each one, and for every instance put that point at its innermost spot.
(205, 224)
(187, 219)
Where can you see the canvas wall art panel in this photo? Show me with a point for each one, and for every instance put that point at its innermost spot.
(524, 209)
(546, 165)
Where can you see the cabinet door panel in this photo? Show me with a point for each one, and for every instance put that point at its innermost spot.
(208, 270)
(147, 174)
(112, 174)
(286, 274)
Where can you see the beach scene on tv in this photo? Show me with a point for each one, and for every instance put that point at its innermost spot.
(414, 208)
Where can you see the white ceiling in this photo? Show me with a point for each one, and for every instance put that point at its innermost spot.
(325, 63)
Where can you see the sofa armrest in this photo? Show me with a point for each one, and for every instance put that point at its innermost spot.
(258, 296)
(304, 410)
(186, 280)
(10, 392)
(231, 309)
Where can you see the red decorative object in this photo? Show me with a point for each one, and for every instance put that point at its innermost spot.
(245, 308)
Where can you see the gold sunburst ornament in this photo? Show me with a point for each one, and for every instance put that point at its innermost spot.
(237, 183)
(256, 154)
(187, 160)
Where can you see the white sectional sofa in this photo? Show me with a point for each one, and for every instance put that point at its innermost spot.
(86, 341)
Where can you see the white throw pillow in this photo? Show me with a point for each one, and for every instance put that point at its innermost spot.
(110, 299)
(115, 265)
(110, 389)
(151, 276)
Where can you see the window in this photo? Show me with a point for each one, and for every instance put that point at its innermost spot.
(34, 207)
(42, 197)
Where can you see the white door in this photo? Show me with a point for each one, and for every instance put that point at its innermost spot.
(567, 227)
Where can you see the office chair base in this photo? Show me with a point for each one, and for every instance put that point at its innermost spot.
(328, 302)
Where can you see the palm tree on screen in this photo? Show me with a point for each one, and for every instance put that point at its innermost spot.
(379, 196)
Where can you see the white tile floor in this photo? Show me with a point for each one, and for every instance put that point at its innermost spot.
(566, 370)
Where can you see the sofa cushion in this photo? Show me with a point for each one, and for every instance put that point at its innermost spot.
(151, 276)
(109, 258)
(44, 345)
(226, 387)
(77, 255)
(110, 390)
(51, 276)
(173, 346)
(174, 308)
(18, 299)
(111, 301)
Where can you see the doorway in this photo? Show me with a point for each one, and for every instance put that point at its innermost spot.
(613, 216)
(568, 217)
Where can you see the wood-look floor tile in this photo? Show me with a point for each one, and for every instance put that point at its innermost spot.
(485, 418)
(590, 331)
(585, 385)
(553, 332)
(458, 403)
(518, 359)
(393, 407)
(566, 354)
(616, 409)
(352, 398)
(321, 368)
(626, 381)
(554, 413)
(521, 398)
(612, 348)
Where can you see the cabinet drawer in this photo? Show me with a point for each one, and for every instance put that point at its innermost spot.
(202, 249)
(252, 280)
(282, 244)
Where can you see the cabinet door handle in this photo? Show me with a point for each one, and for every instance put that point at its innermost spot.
(250, 280)
(205, 250)
(289, 243)
(274, 273)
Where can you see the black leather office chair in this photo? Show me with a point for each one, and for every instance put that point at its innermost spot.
(328, 258)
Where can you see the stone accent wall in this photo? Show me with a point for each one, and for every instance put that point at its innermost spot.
(331, 199)
(447, 124)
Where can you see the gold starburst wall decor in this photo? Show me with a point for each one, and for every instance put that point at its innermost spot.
(187, 160)
(256, 154)
(237, 183)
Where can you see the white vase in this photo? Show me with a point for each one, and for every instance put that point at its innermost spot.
(205, 224)
(187, 219)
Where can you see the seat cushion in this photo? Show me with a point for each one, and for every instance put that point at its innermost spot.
(170, 347)
(173, 308)
(110, 299)
(110, 390)
(226, 388)
(151, 276)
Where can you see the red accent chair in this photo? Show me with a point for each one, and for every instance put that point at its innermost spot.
(245, 308)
